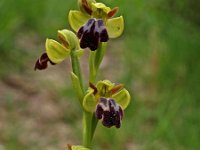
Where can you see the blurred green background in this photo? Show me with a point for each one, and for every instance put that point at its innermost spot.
(157, 59)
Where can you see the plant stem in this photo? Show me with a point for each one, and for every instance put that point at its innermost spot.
(87, 130)
(89, 119)
(95, 60)
(92, 74)
(99, 55)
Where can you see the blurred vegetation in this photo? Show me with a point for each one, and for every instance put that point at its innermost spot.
(160, 65)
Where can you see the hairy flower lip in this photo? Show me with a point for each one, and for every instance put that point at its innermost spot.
(109, 112)
(92, 33)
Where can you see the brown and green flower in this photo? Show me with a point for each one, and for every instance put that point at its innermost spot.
(95, 21)
(108, 101)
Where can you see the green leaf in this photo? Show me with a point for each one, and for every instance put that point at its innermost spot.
(56, 51)
(89, 101)
(77, 19)
(122, 98)
(115, 27)
(77, 86)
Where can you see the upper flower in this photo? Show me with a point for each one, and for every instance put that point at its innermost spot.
(108, 101)
(99, 29)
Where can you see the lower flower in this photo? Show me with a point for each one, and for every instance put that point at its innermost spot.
(108, 101)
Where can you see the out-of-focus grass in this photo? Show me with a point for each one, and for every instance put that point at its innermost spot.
(160, 66)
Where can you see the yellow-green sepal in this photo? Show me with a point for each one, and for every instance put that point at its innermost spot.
(77, 19)
(89, 101)
(115, 27)
(77, 86)
(56, 51)
(69, 39)
(122, 98)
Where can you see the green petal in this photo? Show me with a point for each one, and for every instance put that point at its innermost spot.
(56, 51)
(77, 19)
(115, 27)
(89, 101)
(122, 98)
(77, 86)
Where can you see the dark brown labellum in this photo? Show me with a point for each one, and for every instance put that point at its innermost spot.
(92, 33)
(109, 112)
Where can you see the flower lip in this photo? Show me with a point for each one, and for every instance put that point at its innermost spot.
(92, 33)
(42, 62)
(109, 112)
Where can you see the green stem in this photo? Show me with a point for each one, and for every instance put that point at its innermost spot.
(87, 130)
(86, 116)
(99, 55)
(92, 74)
(95, 60)
(89, 119)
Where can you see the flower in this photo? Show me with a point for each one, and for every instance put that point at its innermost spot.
(108, 101)
(102, 23)
(58, 51)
